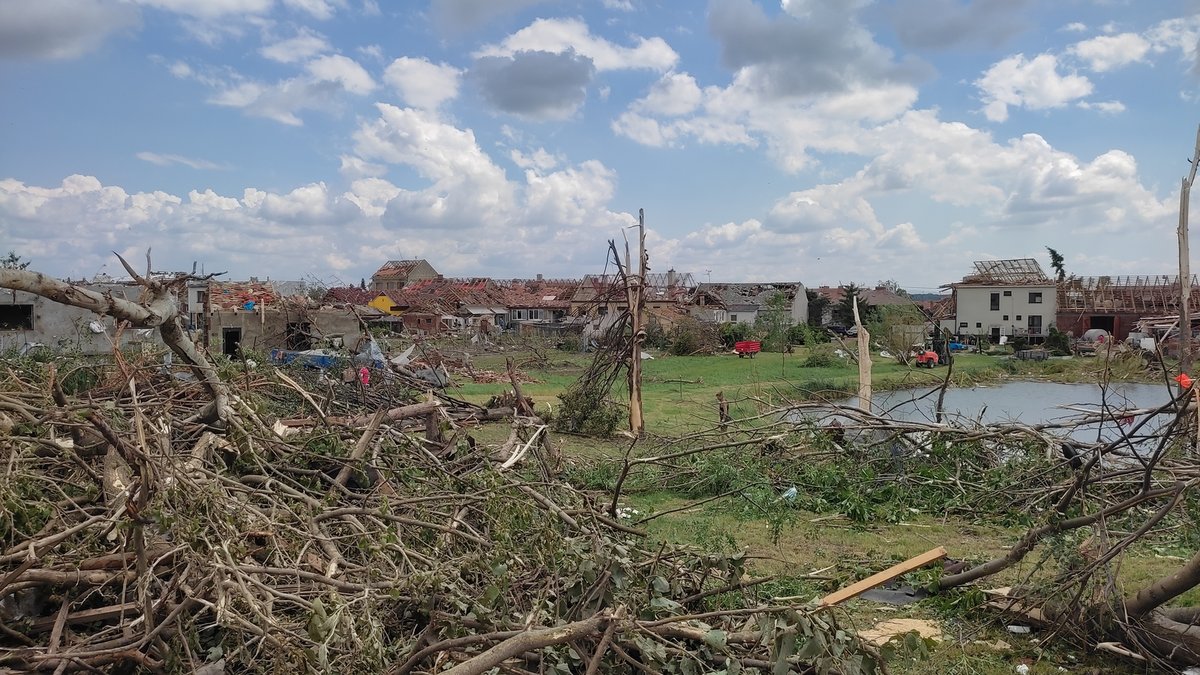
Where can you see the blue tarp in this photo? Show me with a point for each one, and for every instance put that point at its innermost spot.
(312, 359)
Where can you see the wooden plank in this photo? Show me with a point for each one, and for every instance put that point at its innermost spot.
(890, 573)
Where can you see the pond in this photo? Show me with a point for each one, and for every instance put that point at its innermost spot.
(1024, 402)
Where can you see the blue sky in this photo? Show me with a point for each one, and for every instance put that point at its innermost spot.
(825, 141)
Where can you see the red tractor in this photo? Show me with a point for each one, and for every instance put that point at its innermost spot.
(926, 357)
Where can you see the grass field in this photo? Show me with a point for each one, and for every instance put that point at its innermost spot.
(679, 397)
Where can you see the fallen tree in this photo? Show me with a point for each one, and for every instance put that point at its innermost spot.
(1088, 504)
(135, 534)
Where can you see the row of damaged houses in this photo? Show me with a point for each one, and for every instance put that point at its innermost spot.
(1015, 298)
(409, 296)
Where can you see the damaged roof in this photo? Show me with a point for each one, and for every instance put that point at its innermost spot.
(538, 294)
(748, 297)
(1015, 271)
(398, 269)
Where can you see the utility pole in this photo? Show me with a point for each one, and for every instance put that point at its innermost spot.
(1185, 275)
(635, 286)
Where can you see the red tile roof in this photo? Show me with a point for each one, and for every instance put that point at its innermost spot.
(350, 294)
(396, 269)
(246, 295)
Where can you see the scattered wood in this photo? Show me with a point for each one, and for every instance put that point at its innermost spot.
(857, 588)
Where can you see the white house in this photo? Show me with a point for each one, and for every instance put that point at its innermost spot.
(1011, 298)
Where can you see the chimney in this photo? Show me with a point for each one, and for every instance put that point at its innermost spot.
(539, 277)
(671, 278)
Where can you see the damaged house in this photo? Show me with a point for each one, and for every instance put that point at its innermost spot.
(742, 303)
(28, 320)
(1118, 303)
(601, 294)
(537, 306)
(439, 305)
(396, 274)
(1012, 298)
(255, 316)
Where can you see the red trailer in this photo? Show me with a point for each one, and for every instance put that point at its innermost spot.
(745, 347)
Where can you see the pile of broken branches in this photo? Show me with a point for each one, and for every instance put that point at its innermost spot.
(136, 531)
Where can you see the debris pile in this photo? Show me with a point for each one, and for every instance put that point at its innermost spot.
(136, 532)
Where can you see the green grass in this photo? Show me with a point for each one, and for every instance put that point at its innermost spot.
(679, 392)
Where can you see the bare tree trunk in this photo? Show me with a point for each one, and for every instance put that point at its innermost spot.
(1185, 275)
(157, 309)
(864, 361)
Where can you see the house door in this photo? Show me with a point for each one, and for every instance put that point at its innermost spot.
(996, 334)
(231, 340)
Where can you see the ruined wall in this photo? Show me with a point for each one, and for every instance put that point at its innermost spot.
(264, 329)
(69, 329)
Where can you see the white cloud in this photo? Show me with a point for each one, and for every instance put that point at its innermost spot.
(1106, 52)
(562, 35)
(343, 70)
(1074, 27)
(306, 44)
(1029, 83)
(423, 84)
(1106, 107)
(356, 167)
(319, 9)
(673, 95)
(210, 9)
(539, 159)
(619, 5)
(60, 29)
(160, 159)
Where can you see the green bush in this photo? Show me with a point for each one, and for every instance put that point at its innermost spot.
(734, 332)
(588, 414)
(821, 360)
(1058, 342)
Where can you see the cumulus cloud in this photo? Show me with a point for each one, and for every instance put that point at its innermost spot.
(816, 49)
(343, 70)
(306, 44)
(1034, 83)
(161, 159)
(537, 85)
(423, 84)
(1106, 52)
(60, 29)
(940, 24)
(572, 35)
(673, 95)
(326, 79)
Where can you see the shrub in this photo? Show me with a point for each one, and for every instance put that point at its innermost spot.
(734, 332)
(821, 360)
(586, 413)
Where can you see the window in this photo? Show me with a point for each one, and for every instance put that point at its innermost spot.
(16, 317)
(733, 317)
(1018, 317)
(1035, 299)
(1005, 318)
(995, 302)
(1035, 324)
(1008, 294)
(962, 324)
(978, 324)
